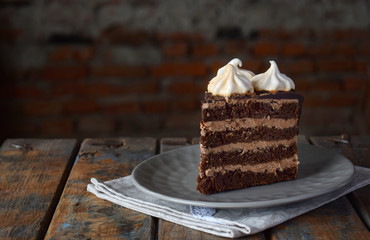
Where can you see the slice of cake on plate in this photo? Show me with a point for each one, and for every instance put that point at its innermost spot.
(249, 129)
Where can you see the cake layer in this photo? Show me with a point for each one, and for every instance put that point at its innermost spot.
(250, 146)
(250, 157)
(219, 138)
(271, 166)
(238, 179)
(250, 108)
(228, 125)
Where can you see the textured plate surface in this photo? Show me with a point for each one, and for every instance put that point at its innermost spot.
(172, 176)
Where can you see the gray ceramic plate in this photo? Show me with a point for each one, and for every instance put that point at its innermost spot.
(172, 176)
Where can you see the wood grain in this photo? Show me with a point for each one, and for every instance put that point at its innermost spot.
(335, 220)
(169, 230)
(80, 214)
(32, 176)
(358, 151)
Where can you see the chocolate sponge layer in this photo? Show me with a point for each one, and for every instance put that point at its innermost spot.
(262, 133)
(246, 158)
(233, 180)
(255, 109)
(252, 109)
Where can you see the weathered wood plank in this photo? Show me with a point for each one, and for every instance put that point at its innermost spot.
(335, 220)
(80, 214)
(169, 230)
(358, 151)
(32, 176)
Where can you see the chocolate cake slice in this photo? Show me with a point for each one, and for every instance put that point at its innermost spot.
(247, 139)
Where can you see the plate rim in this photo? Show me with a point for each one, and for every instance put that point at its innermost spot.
(238, 204)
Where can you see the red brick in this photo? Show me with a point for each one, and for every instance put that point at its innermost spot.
(321, 49)
(84, 54)
(70, 88)
(345, 49)
(354, 83)
(145, 88)
(351, 33)
(28, 92)
(57, 127)
(293, 49)
(204, 83)
(296, 67)
(205, 50)
(235, 47)
(31, 129)
(328, 85)
(254, 65)
(334, 101)
(313, 101)
(343, 100)
(155, 106)
(96, 125)
(364, 48)
(180, 36)
(265, 48)
(137, 87)
(176, 49)
(187, 104)
(266, 33)
(362, 65)
(96, 90)
(83, 89)
(119, 71)
(24, 91)
(71, 53)
(277, 34)
(121, 35)
(180, 69)
(180, 120)
(184, 88)
(307, 33)
(42, 108)
(80, 106)
(7, 91)
(139, 126)
(64, 73)
(217, 65)
(10, 34)
(62, 53)
(302, 85)
(121, 108)
(334, 65)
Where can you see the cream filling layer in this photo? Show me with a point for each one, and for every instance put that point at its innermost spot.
(275, 103)
(216, 126)
(270, 167)
(247, 146)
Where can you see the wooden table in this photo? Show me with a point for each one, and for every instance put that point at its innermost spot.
(43, 192)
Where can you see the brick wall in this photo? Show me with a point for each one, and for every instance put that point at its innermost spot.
(139, 68)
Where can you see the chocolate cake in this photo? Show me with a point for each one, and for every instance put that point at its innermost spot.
(249, 129)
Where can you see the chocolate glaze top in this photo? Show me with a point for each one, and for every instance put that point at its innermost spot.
(208, 97)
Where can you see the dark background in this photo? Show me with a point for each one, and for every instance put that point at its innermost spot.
(139, 68)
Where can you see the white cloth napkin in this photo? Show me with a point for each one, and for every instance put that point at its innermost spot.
(222, 222)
